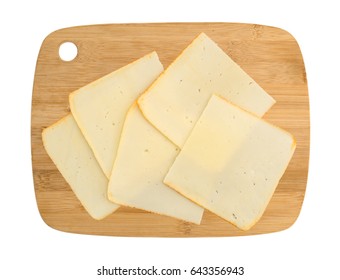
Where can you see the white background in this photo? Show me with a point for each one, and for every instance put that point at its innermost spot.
(29, 249)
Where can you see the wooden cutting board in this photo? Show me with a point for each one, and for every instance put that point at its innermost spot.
(270, 55)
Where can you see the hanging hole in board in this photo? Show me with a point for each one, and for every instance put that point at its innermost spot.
(68, 51)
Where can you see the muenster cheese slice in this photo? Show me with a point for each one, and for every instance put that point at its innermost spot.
(231, 163)
(100, 107)
(73, 157)
(177, 98)
(143, 159)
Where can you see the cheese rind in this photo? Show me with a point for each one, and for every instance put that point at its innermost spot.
(231, 163)
(143, 159)
(176, 99)
(75, 160)
(100, 107)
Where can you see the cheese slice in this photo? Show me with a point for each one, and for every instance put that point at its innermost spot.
(177, 98)
(99, 108)
(143, 159)
(231, 163)
(73, 157)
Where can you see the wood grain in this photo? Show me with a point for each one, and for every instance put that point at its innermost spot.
(270, 55)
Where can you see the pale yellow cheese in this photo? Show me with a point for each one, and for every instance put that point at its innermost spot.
(231, 163)
(143, 159)
(99, 108)
(75, 160)
(176, 99)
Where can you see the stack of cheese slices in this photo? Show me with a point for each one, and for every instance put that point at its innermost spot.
(173, 141)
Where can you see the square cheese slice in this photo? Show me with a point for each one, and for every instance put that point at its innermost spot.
(177, 98)
(231, 163)
(99, 108)
(75, 160)
(143, 159)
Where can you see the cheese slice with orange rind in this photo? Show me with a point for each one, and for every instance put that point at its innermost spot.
(176, 99)
(231, 163)
(143, 159)
(100, 107)
(68, 149)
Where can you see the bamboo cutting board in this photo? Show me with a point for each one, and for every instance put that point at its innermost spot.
(270, 55)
